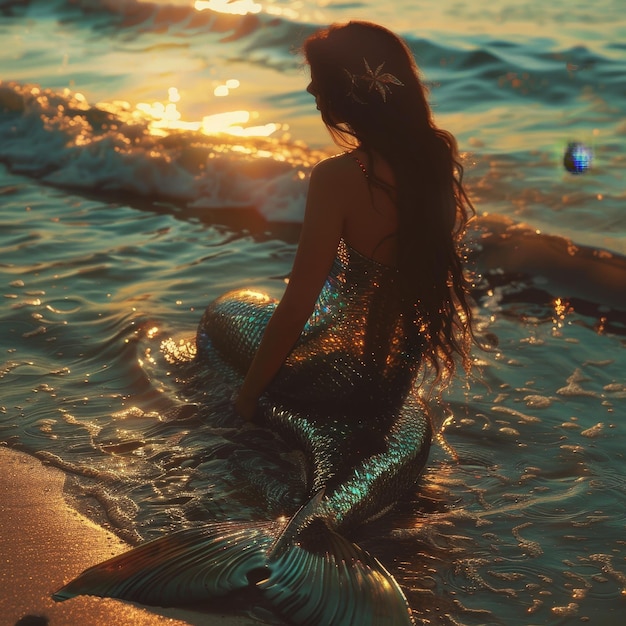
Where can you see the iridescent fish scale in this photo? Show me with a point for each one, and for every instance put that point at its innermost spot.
(343, 392)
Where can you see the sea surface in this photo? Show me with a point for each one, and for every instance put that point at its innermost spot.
(156, 154)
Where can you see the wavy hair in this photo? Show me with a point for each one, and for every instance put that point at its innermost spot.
(362, 104)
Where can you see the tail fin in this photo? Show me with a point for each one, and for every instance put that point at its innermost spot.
(317, 577)
(314, 576)
(187, 566)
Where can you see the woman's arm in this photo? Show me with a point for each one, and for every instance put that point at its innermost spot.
(319, 238)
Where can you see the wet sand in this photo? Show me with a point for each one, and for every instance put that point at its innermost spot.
(44, 543)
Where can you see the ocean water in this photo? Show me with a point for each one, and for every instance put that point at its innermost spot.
(156, 154)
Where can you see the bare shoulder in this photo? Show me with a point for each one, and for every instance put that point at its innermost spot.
(337, 164)
(339, 169)
(332, 187)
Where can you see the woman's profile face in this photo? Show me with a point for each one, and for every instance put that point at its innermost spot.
(311, 89)
(321, 105)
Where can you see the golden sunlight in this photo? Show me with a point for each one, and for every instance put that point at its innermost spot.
(167, 117)
(236, 7)
(230, 122)
(224, 90)
(151, 333)
(561, 308)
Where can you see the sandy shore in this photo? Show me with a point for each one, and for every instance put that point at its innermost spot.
(44, 543)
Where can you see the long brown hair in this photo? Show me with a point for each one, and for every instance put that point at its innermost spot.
(369, 92)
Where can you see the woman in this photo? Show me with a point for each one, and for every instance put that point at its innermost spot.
(394, 200)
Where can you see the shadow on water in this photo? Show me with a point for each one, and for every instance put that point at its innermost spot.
(242, 221)
(32, 620)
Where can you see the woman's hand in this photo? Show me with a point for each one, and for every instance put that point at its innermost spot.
(246, 406)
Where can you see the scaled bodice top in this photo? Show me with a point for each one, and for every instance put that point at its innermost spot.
(357, 347)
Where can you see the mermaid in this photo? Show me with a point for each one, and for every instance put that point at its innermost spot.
(376, 305)
(377, 276)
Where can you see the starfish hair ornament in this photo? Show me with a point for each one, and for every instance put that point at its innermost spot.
(375, 79)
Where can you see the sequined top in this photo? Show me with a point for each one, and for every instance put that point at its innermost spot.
(357, 348)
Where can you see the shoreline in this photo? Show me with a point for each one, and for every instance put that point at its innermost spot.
(44, 543)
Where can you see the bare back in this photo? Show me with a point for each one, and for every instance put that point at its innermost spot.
(371, 216)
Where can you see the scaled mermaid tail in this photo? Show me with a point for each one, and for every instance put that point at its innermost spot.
(343, 397)
(304, 568)
(184, 567)
(313, 577)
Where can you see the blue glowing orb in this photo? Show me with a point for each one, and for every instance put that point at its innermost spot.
(577, 158)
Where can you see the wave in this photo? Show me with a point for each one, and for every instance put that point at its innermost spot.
(477, 71)
(135, 18)
(62, 140)
(514, 264)
(508, 74)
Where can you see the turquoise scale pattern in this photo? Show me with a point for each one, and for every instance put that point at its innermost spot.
(343, 395)
(344, 398)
